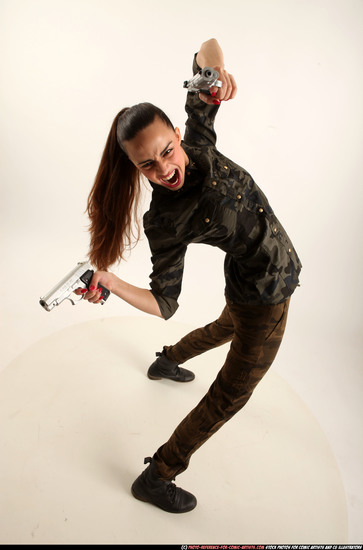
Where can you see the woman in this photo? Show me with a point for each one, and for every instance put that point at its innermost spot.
(198, 196)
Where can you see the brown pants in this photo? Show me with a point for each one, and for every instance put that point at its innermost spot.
(255, 333)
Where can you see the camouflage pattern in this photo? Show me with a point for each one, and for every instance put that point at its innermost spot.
(255, 332)
(220, 205)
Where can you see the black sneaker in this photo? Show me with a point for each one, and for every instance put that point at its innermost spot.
(148, 487)
(162, 367)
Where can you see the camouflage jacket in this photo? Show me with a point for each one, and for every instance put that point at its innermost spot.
(220, 205)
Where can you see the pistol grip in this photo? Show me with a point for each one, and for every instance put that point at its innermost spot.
(87, 278)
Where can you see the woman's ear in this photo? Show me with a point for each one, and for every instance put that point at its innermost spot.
(178, 133)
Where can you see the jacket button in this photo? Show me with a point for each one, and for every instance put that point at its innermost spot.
(207, 220)
(239, 197)
(214, 183)
(225, 167)
(260, 210)
(289, 249)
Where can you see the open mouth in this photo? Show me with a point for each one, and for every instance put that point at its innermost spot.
(172, 180)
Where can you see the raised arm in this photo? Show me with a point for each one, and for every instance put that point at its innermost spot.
(211, 55)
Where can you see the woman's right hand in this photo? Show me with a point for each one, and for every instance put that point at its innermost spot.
(93, 295)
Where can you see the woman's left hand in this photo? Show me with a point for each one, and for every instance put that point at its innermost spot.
(226, 92)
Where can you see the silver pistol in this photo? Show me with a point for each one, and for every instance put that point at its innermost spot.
(203, 81)
(79, 277)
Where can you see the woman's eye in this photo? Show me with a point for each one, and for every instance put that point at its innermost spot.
(168, 151)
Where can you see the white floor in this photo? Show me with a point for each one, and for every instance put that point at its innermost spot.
(78, 415)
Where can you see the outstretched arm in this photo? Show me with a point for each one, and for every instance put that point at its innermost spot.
(211, 55)
(141, 298)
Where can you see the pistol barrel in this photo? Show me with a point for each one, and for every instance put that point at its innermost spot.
(62, 290)
(203, 81)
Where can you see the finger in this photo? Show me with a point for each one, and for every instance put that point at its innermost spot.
(90, 295)
(93, 298)
(94, 281)
(226, 88)
(99, 300)
(213, 90)
(80, 291)
(234, 87)
(97, 294)
(209, 99)
(93, 286)
(204, 97)
(217, 92)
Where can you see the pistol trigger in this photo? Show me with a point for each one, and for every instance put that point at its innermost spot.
(74, 301)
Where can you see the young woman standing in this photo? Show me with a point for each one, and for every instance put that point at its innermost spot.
(199, 196)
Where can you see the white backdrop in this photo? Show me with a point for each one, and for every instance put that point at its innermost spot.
(67, 68)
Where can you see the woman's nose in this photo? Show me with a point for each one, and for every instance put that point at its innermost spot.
(163, 167)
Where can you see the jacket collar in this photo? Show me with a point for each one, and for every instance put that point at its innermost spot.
(191, 167)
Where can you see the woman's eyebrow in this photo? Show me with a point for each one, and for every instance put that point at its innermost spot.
(162, 152)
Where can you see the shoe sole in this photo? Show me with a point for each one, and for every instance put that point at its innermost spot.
(158, 506)
(168, 378)
(154, 377)
(138, 497)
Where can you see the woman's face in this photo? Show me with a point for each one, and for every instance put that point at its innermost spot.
(157, 152)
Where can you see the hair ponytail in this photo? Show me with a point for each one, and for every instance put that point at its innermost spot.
(113, 203)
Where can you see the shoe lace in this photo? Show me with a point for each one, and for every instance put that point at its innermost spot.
(171, 491)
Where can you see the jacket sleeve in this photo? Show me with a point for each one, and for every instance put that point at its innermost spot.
(168, 267)
(200, 123)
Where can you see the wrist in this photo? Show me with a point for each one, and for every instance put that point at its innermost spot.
(210, 54)
(112, 282)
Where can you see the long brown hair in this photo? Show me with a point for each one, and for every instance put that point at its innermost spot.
(113, 202)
